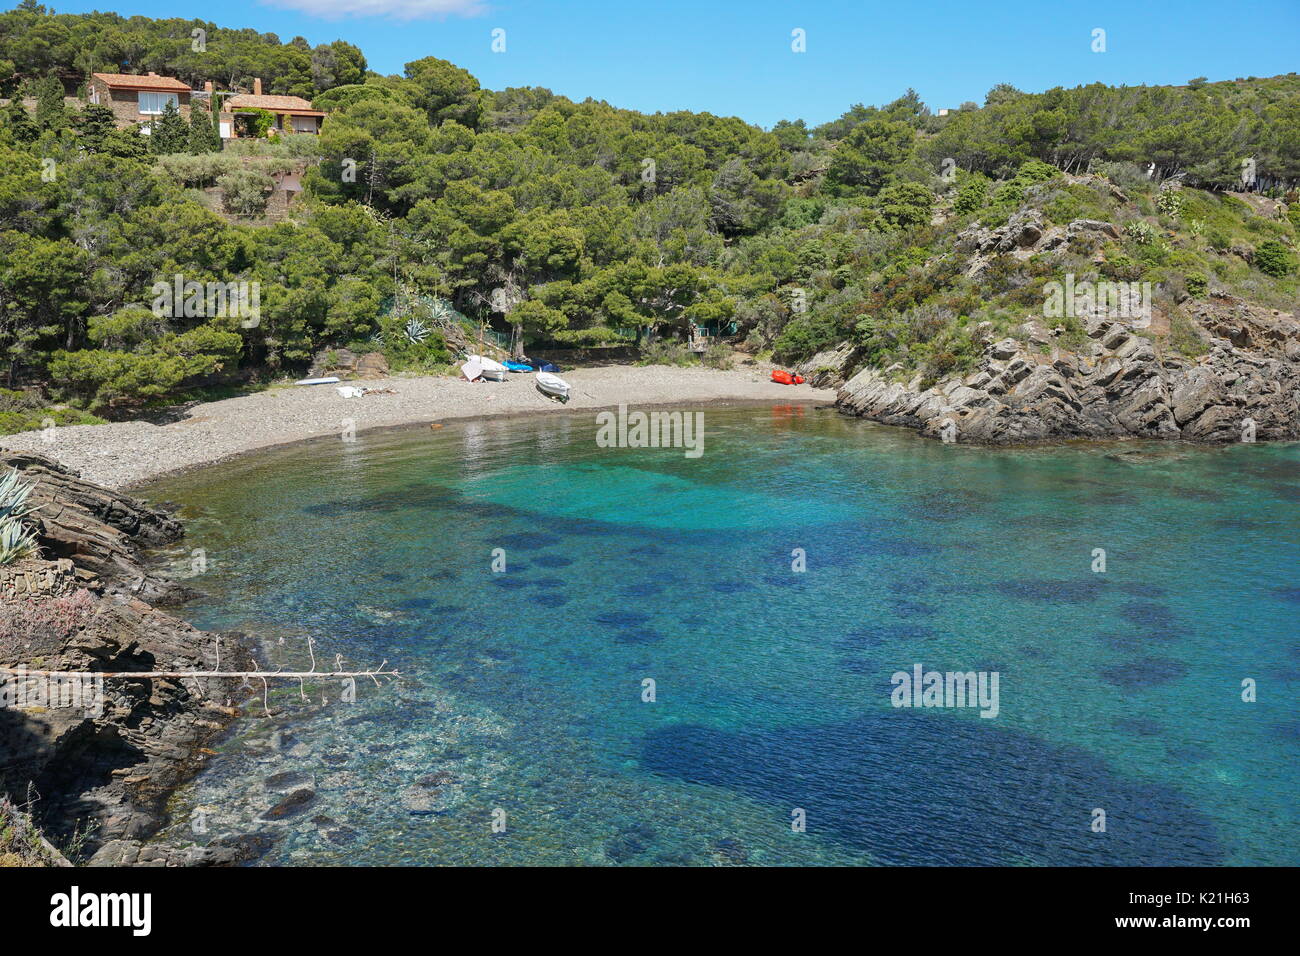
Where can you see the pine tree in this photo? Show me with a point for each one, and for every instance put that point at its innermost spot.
(50, 113)
(169, 132)
(200, 133)
(18, 122)
(95, 124)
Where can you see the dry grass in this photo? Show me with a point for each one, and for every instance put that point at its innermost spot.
(20, 842)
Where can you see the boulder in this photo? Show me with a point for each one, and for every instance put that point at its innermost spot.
(372, 365)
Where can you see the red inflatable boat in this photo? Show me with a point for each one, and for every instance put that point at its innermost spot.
(786, 378)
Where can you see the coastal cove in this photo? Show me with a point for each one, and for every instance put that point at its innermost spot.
(527, 581)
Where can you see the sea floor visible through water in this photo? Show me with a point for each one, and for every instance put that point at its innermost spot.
(534, 587)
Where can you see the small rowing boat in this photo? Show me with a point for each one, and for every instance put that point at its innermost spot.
(553, 386)
(489, 369)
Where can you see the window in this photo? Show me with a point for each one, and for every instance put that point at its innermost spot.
(155, 103)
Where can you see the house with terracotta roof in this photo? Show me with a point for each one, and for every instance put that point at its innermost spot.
(292, 114)
(138, 98)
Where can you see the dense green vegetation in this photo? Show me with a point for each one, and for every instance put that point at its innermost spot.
(580, 223)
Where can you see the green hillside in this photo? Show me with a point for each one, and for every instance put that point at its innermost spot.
(581, 223)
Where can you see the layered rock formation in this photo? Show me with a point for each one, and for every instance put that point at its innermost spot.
(99, 773)
(1120, 384)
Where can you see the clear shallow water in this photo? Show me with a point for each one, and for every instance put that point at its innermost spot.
(523, 690)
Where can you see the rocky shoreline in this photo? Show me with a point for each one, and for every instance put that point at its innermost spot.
(96, 777)
(1123, 382)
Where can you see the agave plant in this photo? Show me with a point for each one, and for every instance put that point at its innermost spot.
(16, 539)
(416, 331)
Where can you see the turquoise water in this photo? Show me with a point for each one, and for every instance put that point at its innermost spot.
(522, 696)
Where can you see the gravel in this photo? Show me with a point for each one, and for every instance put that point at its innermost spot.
(122, 454)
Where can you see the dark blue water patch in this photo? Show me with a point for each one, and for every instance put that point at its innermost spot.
(1290, 595)
(1135, 640)
(1188, 753)
(1285, 492)
(1139, 590)
(643, 589)
(392, 576)
(908, 608)
(622, 619)
(860, 667)
(900, 548)
(646, 550)
(1145, 672)
(916, 788)
(548, 583)
(731, 587)
(1073, 591)
(1148, 614)
(637, 635)
(877, 635)
(1288, 730)
(782, 580)
(509, 583)
(531, 541)
(416, 603)
(1236, 524)
(1138, 726)
(552, 561)
(550, 600)
(1034, 651)
(489, 510)
(630, 843)
(911, 584)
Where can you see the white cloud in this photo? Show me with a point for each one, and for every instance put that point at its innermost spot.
(393, 9)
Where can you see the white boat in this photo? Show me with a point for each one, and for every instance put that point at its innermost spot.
(318, 381)
(490, 369)
(552, 385)
(471, 369)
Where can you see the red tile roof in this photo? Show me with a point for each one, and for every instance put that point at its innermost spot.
(295, 105)
(134, 81)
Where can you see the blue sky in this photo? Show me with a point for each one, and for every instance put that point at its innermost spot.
(734, 57)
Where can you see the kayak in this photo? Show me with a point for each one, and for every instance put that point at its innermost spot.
(782, 377)
(318, 381)
(512, 366)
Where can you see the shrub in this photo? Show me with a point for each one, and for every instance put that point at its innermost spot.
(1273, 258)
(666, 352)
(1196, 283)
(245, 191)
(972, 194)
(1170, 201)
(718, 355)
(1141, 232)
(905, 205)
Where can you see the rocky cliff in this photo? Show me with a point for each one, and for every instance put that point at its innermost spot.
(1113, 369)
(96, 775)
(1120, 383)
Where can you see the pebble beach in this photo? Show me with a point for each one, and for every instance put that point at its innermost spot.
(123, 454)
